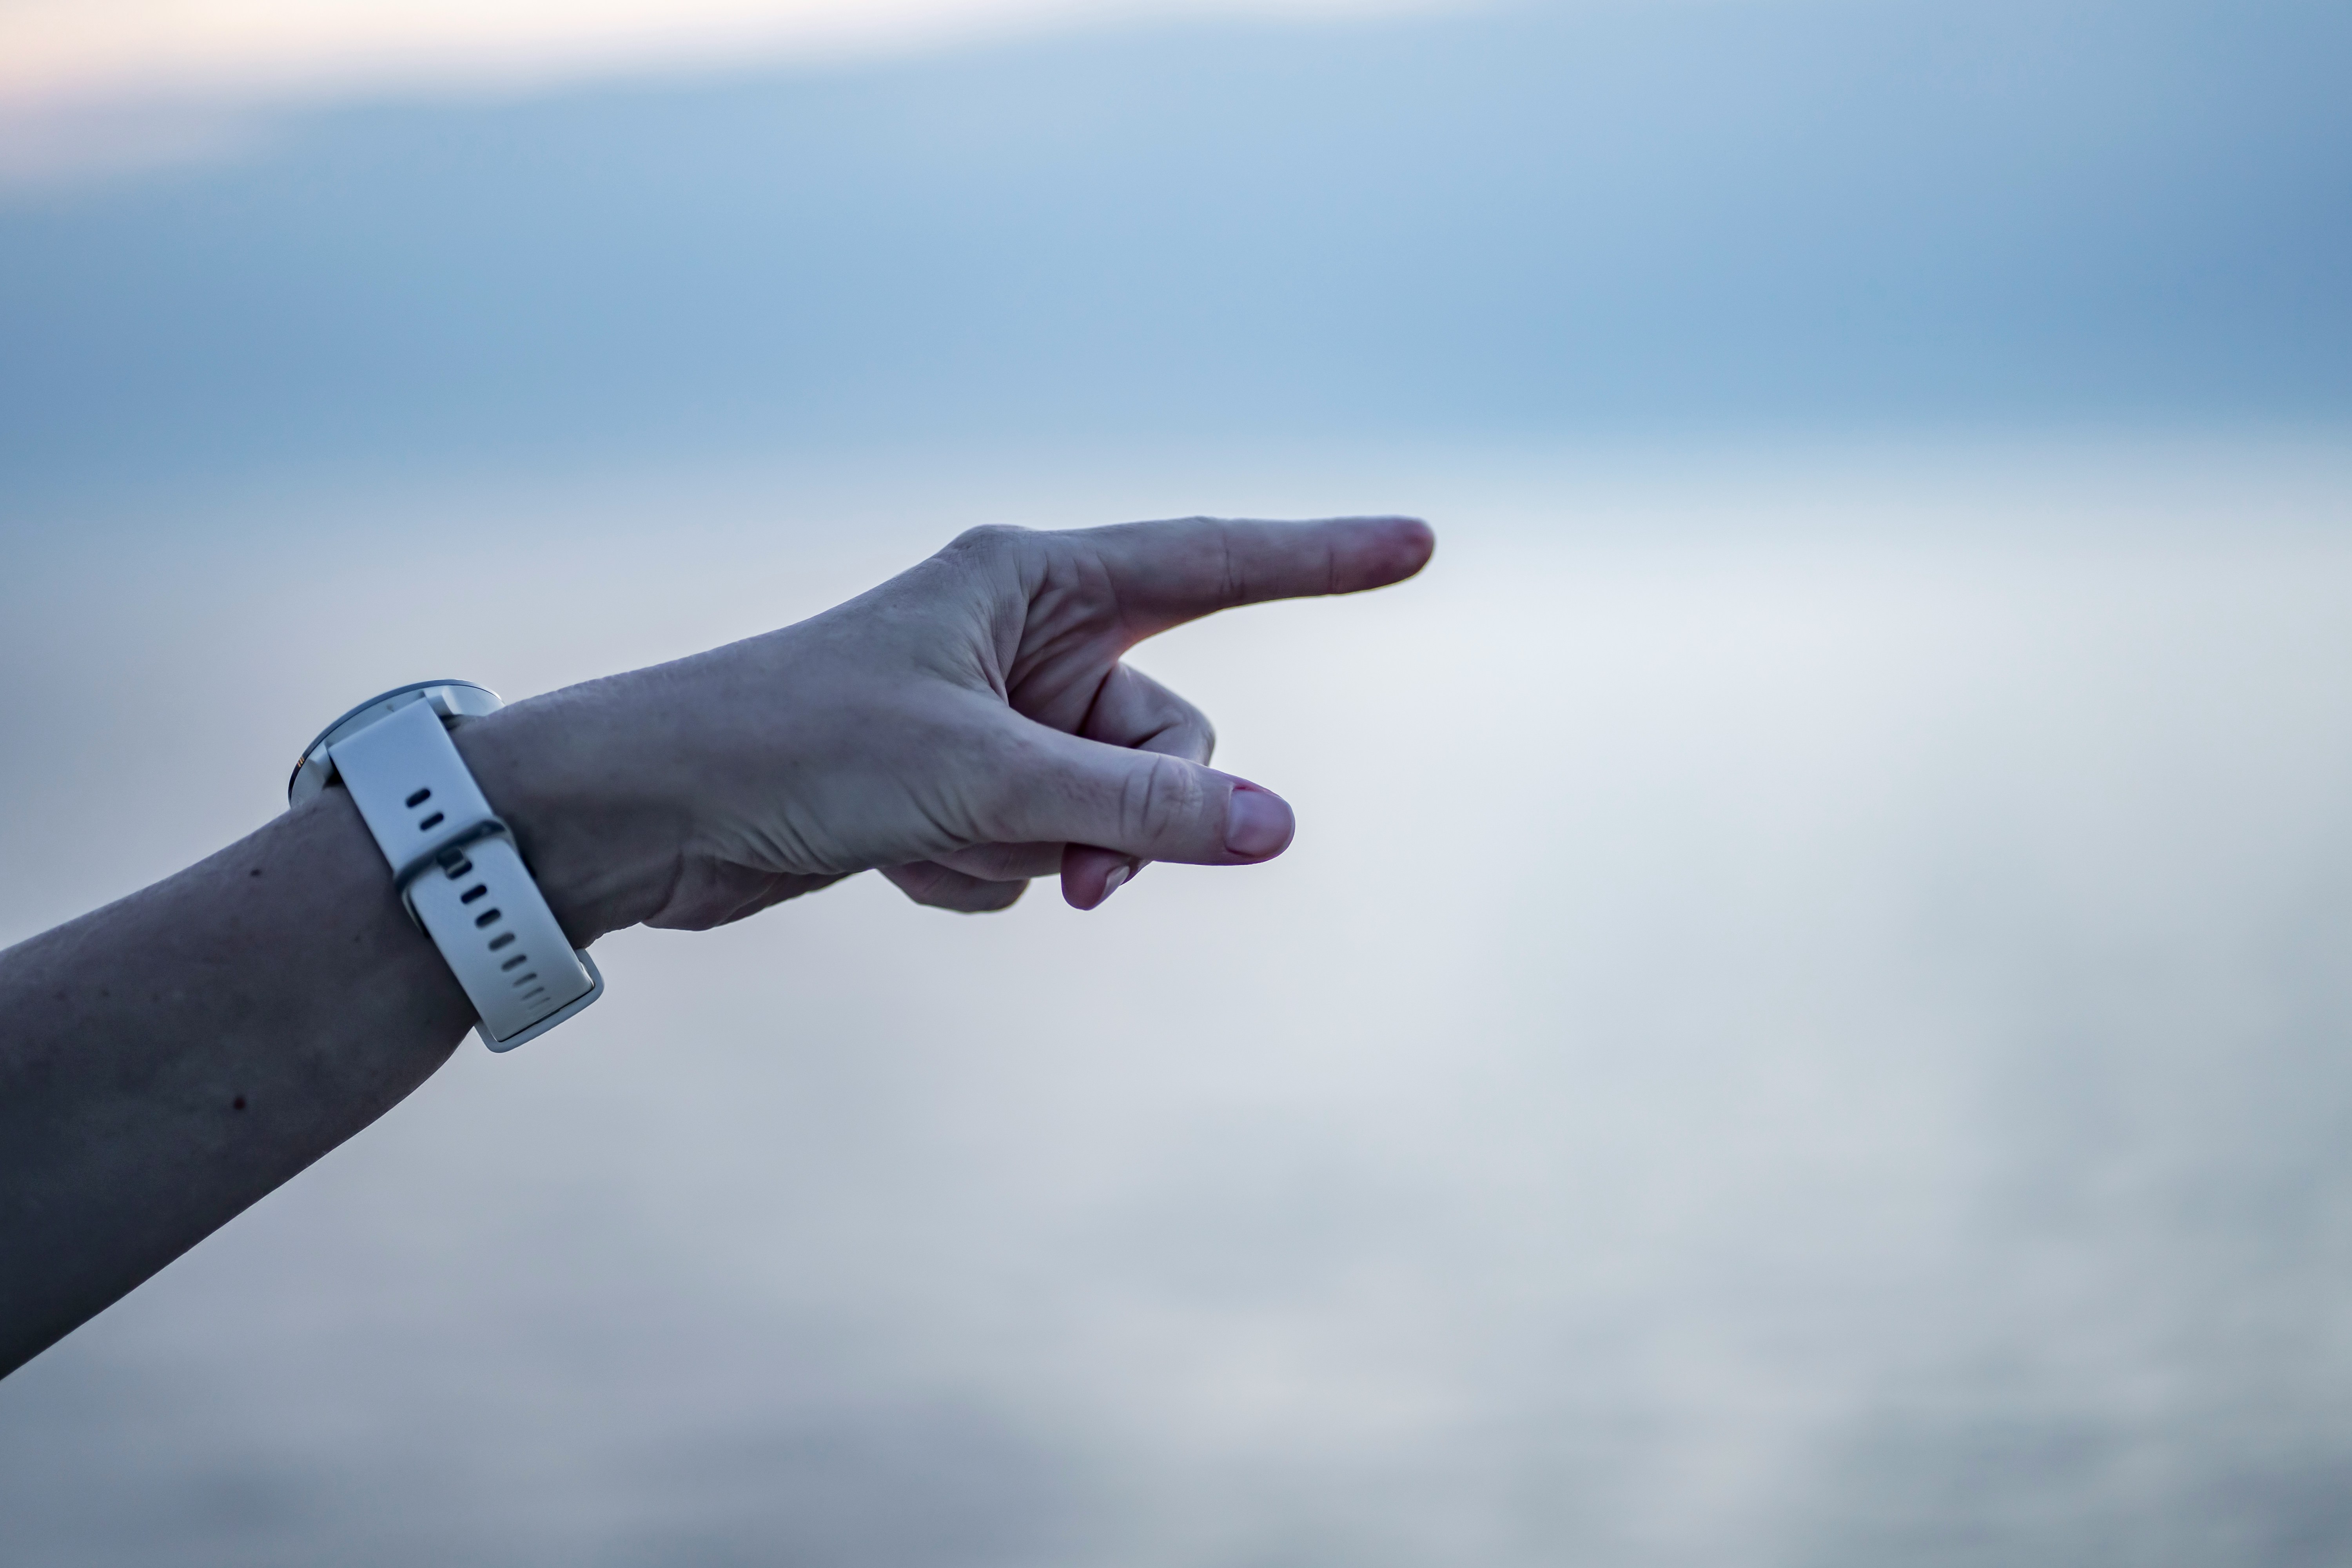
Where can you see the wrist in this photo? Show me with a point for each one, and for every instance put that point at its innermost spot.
(600, 842)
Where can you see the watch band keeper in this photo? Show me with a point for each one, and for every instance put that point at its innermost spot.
(448, 855)
(460, 875)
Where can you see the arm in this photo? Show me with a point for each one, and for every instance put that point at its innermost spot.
(169, 1059)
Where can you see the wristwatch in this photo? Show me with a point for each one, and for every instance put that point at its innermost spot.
(454, 863)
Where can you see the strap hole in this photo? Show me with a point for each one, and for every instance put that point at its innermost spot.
(527, 979)
(475, 891)
(487, 917)
(518, 958)
(419, 798)
(498, 943)
(431, 822)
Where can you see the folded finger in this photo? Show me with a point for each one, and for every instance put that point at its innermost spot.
(939, 888)
(1091, 876)
(1135, 710)
(1004, 862)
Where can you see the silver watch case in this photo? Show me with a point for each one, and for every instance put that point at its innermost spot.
(455, 701)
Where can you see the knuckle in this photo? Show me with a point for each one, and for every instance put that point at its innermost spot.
(942, 888)
(989, 541)
(1159, 800)
(922, 882)
(992, 897)
(975, 898)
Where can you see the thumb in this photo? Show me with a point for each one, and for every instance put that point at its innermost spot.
(1145, 805)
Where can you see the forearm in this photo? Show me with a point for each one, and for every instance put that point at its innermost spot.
(173, 1056)
(170, 1059)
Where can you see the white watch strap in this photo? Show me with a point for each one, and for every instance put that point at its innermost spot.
(463, 879)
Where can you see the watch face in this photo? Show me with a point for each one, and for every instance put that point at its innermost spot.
(452, 699)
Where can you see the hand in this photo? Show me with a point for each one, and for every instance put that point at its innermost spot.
(963, 727)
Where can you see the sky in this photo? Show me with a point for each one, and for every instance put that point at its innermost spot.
(1522, 224)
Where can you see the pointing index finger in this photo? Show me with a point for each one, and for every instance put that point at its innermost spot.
(1168, 573)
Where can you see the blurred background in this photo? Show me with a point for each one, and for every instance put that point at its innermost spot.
(1807, 1021)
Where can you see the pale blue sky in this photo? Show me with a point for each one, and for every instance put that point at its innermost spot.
(1516, 224)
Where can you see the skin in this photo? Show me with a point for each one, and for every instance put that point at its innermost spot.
(968, 725)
